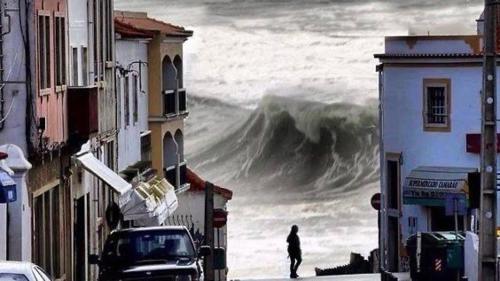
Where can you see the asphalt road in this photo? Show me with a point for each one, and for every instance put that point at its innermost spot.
(363, 277)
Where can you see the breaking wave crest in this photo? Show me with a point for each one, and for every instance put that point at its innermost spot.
(289, 144)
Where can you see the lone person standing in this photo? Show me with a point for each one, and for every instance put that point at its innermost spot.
(294, 251)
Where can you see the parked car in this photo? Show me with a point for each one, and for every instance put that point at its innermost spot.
(22, 271)
(150, 253)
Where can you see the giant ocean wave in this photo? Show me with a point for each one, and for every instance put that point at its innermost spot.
(287, 144)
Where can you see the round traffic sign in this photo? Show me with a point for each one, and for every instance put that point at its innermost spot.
(220, 218)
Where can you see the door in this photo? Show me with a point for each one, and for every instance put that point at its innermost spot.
(393, 203)
(79, 236)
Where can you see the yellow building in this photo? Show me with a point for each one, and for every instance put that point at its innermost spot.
(167, 95)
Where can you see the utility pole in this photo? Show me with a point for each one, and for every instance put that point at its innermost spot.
(208, 265)
(487, 219)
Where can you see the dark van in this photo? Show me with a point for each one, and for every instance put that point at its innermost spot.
(150, 254)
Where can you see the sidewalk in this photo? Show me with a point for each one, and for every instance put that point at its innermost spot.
(361, 277)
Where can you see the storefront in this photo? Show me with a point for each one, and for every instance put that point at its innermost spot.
(447, 195)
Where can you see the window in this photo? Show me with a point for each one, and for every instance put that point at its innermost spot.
(44, 68)
(13, 277)
(60, 50)
(119, 100)
(109, 30)
(126, 101)
(84, 66)
(146, 147)
(74, 57)
(437, 105)
(135, 98)
(95, 20)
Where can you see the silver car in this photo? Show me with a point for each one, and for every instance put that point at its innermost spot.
(22, 271)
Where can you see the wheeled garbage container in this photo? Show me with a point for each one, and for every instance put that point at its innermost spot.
(436, 255)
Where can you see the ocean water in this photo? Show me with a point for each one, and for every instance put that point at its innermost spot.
(283, 111)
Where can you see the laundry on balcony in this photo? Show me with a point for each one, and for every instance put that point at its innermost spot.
(90, 163)
(150, 203)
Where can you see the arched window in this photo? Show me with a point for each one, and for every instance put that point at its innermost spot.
(178, 67)
(179, 139)
(169, 74)
(169, 151)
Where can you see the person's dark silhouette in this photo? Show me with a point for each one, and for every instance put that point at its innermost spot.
(294, 251)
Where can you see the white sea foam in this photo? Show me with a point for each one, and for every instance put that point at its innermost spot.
(315, 50)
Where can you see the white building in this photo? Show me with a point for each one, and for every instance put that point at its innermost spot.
(134, 141)
(191, 214)
(430, 118)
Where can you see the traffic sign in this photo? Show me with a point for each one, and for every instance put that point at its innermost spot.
(220, 218)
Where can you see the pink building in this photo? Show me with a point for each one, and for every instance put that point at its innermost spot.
(51, 87)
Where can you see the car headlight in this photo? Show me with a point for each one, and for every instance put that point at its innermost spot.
(184, 278)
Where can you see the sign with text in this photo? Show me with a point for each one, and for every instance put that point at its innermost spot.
(432, 192)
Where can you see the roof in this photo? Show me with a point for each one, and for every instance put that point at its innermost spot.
(141, 22)
(198, 184)
(129, 31)
(16, 267)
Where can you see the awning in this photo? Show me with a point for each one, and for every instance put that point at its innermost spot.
(430, 186)
(150, 203)
(98, 169)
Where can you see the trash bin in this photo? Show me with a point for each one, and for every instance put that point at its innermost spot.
(441, 256)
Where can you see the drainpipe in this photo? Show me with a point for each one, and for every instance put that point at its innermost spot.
(383, 212)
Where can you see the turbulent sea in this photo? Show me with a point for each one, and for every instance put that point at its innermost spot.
(283, 111)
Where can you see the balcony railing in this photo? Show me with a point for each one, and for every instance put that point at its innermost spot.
(169, 102)
(174, 102)
(176, 175)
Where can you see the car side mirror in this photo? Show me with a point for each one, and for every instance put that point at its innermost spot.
(94, 259)
(204, 251)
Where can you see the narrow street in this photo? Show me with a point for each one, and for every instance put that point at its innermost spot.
(361, 277)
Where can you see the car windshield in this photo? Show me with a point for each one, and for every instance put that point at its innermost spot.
(12, 277)
(141, 247)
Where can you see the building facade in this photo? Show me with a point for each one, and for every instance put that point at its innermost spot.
(430, 124)
(167, 95)
(16, 98)
(191, 214)
(96, 187)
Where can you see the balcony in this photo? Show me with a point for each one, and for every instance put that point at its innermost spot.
(177, 176)
(174, 102)
(83, 119)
